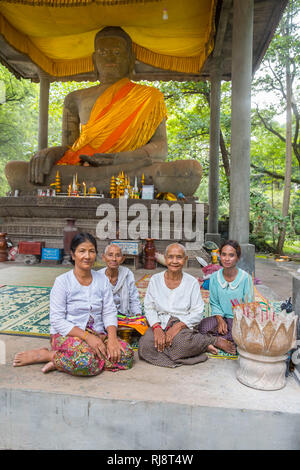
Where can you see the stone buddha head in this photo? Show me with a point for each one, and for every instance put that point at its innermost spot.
(113, 57)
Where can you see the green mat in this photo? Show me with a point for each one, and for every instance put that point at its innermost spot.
(24, 311)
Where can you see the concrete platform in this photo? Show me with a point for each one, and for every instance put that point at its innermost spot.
(190, 407)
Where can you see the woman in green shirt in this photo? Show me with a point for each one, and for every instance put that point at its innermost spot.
(226, 286)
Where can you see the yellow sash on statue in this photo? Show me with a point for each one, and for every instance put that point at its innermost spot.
(124, 117)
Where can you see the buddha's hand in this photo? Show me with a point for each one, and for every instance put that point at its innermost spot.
(139, 157)
(98, 159)
(42, 162)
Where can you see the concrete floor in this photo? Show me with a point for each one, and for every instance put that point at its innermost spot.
(276, 276)
(190, 407)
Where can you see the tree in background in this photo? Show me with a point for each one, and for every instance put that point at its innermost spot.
(280, 75)
(18, 121)
(19, 110)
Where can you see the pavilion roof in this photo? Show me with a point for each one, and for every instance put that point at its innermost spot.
(57, 36)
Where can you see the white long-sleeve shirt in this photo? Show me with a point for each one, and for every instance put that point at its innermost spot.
(184, 302)
(125, 292)
(71, 304)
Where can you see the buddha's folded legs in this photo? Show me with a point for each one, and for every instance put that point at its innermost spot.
(179, 176)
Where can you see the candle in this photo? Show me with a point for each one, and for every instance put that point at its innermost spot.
(69, 190)
(84, 185)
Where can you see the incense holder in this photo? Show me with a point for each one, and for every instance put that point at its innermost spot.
(263, 339)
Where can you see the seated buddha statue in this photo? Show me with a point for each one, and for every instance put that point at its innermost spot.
(115, 126)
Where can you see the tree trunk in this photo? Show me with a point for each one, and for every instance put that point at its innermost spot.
(288, 151)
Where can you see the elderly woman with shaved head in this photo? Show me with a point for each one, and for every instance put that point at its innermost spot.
(121, 280)
(173, 308)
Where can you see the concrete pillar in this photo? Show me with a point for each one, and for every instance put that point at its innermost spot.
(242, 38)
(214, 146)
(43, 111)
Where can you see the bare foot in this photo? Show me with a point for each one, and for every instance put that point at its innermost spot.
(33, 356)
(48, 367)
(225, 345)
(212, 349)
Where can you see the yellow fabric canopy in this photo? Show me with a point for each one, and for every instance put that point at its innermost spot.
(61, 40)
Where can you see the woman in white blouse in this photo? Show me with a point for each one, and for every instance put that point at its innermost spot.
(122, 283)
(83, 320)
(173, 308)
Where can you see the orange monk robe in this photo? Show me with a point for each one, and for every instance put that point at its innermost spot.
(123, 118)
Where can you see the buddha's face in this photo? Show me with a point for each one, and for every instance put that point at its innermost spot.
(112, 59)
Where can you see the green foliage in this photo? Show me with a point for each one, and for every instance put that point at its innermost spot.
(281, 59)
(188, 121)
(19, 110)
(18, 121)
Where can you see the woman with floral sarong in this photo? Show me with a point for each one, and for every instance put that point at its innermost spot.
(83, 320)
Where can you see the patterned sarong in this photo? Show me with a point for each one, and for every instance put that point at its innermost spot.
(74, 356)
(188, 347)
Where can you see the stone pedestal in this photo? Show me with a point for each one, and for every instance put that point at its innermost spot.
(264, 339)
(44, 218)
(261, 372)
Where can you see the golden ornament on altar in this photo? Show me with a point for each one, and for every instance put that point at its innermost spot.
(113, 187)
(57, 183)
(120, 184)
(92, 190)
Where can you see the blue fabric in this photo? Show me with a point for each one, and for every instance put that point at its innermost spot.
(221, 292)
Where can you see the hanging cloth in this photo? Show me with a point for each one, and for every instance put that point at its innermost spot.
(123, 118)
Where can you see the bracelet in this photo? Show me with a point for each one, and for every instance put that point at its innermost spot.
(157, 325)
(85, 335)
